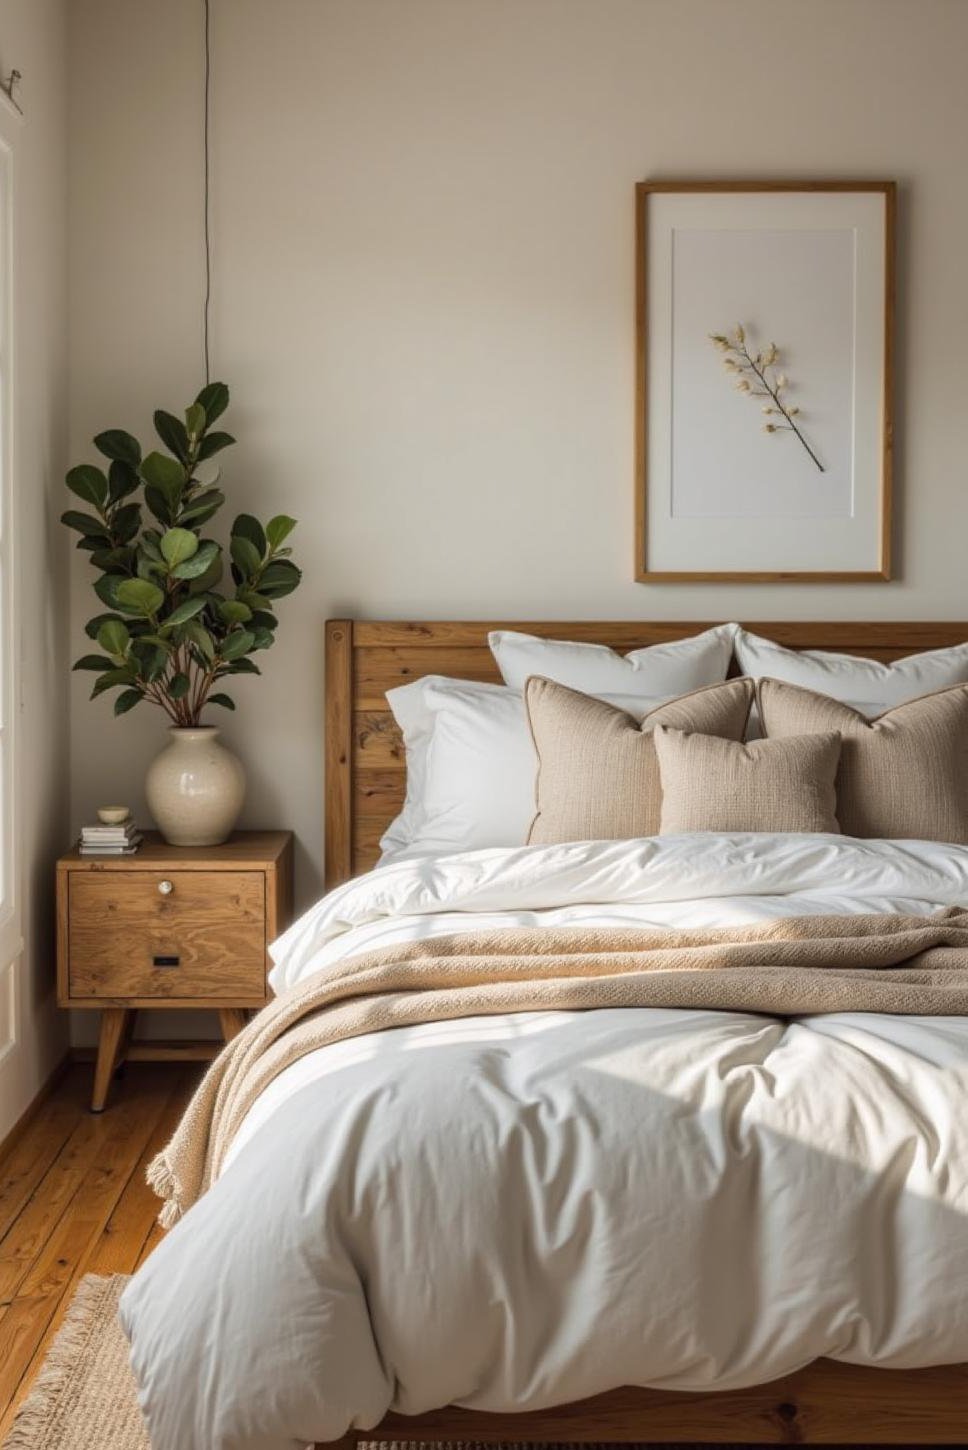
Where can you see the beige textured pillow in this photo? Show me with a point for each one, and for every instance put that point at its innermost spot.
(903, 776)
(709, 784)
(598, 776)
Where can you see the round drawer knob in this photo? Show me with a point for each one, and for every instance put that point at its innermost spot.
(166, 887)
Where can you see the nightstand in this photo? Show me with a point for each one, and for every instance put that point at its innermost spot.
(170, 927)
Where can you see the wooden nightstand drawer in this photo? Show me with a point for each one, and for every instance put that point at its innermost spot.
(129, 935)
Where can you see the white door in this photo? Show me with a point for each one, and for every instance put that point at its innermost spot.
(12, 982)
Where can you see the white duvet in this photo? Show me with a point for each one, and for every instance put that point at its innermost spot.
(513, 1212)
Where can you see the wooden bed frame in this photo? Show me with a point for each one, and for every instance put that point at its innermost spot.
(826, 1403)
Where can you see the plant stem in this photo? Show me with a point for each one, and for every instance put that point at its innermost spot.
(776, 399)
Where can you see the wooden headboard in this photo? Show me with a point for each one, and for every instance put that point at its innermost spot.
(365, 766)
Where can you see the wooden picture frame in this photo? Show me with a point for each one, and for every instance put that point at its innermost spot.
(861, 466)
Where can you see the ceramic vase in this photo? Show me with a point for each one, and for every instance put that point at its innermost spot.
(195, 788)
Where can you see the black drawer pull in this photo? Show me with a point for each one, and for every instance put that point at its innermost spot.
(166, 961)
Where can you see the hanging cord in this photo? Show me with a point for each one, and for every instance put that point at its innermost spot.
(7, 87)
(207, 171)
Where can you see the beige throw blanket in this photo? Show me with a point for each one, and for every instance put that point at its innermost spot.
(789, 967)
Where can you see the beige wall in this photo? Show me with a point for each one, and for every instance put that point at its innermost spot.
(32, 39)
(423, 295)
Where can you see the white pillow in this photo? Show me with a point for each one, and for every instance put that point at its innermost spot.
(867, 685)
(471, 765)
(663, 670)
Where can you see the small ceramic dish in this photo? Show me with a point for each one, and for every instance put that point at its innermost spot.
(113, 815)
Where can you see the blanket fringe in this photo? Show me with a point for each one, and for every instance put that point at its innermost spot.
(161, 1179)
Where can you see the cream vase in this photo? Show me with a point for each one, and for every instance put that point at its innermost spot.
(195, 788)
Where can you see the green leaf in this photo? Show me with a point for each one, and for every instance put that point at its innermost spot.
(247, 527)
(177, 545)
(93, 662)
(201, 639)
(214, 443)
(239, 642)
(149, 568)
(278, 530)
(111, 679)
(225, 701)
(106, 589)
(203, 504)
(233, 611)
(153, 664)
(150, 544)
(158, 504)
(164, 473)
(279, 578)
(93, 626)
(171, 431)
(178, 686)
(113, 636)
(245, 555)
(86, 524)
(122, 480)
(242, 666)
(209, 579)
(253, 599)
(113, 561)
(139, 596)
(264, 639)
(183, 612)
(199, 562)
(119, 446)
(262, 619)
(195, 419)
(125, 522)
(89, 483)
(126, 701)
(214, 398)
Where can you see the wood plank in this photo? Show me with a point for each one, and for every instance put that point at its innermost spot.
(338, 812)
(827, 1403)
(119, 1246)
(377, 670)
(28, 1159)
(377, 741)
(378, 794)
(118, 1138)
(210, 925)
(167, 1049)
(254, 850)
(837, 634)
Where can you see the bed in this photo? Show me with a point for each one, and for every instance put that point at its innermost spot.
(826, 1401)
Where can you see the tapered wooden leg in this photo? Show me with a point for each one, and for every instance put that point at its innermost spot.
(232, 1020)
(114, 1020)
(125, 1043)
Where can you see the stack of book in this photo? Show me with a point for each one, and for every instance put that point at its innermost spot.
(102, 840)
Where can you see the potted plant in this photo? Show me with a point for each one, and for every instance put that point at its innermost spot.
(174, 629)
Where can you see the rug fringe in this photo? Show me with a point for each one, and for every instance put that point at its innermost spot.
(69, 1342)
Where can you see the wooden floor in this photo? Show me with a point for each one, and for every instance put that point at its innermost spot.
(73, 1201)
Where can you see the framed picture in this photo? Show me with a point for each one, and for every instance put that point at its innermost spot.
(764, 330)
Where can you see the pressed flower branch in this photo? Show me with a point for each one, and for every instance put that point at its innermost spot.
(757, 375)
